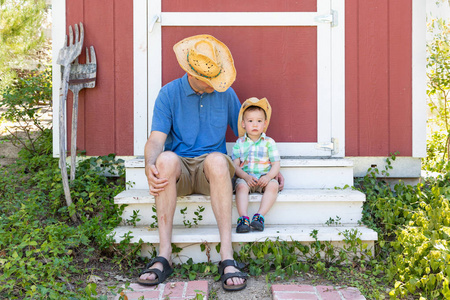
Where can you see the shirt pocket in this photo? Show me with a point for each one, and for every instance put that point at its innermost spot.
(218, 117)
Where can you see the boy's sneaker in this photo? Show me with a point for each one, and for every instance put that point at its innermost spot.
(243, 224)
(257, 222)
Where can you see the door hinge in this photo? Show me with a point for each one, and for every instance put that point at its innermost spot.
(331, 18)
(154, 20)
(333, 146)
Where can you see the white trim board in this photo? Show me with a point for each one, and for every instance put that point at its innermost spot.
(239, 19)
(140, 61)
(419, 80)
(58, 36)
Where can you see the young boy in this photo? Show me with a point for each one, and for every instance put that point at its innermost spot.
(257, 162)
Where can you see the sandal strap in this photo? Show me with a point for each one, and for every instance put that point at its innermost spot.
(167, 269)
(228, 263)
(227, 276)
(160, 259)
(158, 272)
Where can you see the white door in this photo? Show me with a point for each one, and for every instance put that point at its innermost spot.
(328, 101)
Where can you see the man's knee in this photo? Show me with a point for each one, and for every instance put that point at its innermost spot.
(216, 164)
(168, 163)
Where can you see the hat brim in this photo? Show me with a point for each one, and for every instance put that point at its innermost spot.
(263, 103)
(228, 72)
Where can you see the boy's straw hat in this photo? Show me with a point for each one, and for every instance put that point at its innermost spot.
(263, 103)
(207, 59)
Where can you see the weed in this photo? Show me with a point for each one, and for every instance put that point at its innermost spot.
(154, 224)
(134, 218)
(333, 222)
(195, 220)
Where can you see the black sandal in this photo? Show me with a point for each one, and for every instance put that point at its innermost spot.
(225, 277)
(161, 275)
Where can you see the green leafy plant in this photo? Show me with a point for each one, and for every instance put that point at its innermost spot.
(26, 101)
(154, 224)
(195, 220)
(41, 250)
(22, 40)
(192, 271)
(333, 222)
(438, 87)
(134, 218)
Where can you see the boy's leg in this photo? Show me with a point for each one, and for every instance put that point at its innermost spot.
(169, 166)
(217, 171)
(242, 191)
(269, 197)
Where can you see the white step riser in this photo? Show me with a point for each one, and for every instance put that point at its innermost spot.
(191, 239)
(293, 206)
(281, 213)
(295, 177)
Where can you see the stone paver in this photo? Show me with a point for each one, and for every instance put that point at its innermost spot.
(306, 292)
(171, 290)
(188, 290)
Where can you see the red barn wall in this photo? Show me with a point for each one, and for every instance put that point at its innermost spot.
(105, 123)
(378, 76)
(378, 98)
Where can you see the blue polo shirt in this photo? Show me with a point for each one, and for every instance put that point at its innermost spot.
(194, 124)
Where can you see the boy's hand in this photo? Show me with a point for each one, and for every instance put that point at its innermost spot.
(251, 181)
(264, 180)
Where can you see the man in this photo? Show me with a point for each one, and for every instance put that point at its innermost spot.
(190, 120)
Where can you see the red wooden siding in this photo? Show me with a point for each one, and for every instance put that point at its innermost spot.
(378, 77)
(106, 112)
(378, 71)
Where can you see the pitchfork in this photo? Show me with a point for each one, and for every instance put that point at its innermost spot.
(66, 56)
(81, 76)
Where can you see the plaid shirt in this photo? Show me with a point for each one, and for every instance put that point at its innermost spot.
(256, 157)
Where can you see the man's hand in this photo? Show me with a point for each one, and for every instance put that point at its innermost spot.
(153, 148)
(155, 183)
(280, 179)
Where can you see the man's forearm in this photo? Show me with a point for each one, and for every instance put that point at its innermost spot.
(153, 148)
(151, 153)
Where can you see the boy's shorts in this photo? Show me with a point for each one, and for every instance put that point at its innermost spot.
(192, 179)
(253, 189)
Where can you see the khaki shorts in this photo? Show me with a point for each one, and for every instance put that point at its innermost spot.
(192, 179)
(253, 189)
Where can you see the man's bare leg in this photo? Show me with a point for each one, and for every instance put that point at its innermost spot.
(169, 166)
(218, 175)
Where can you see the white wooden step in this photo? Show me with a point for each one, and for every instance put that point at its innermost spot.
(298, 172)
(293, 206)
(190, 239)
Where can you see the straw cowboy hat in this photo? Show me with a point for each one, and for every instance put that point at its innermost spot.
(207, 59)
(263, 103)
